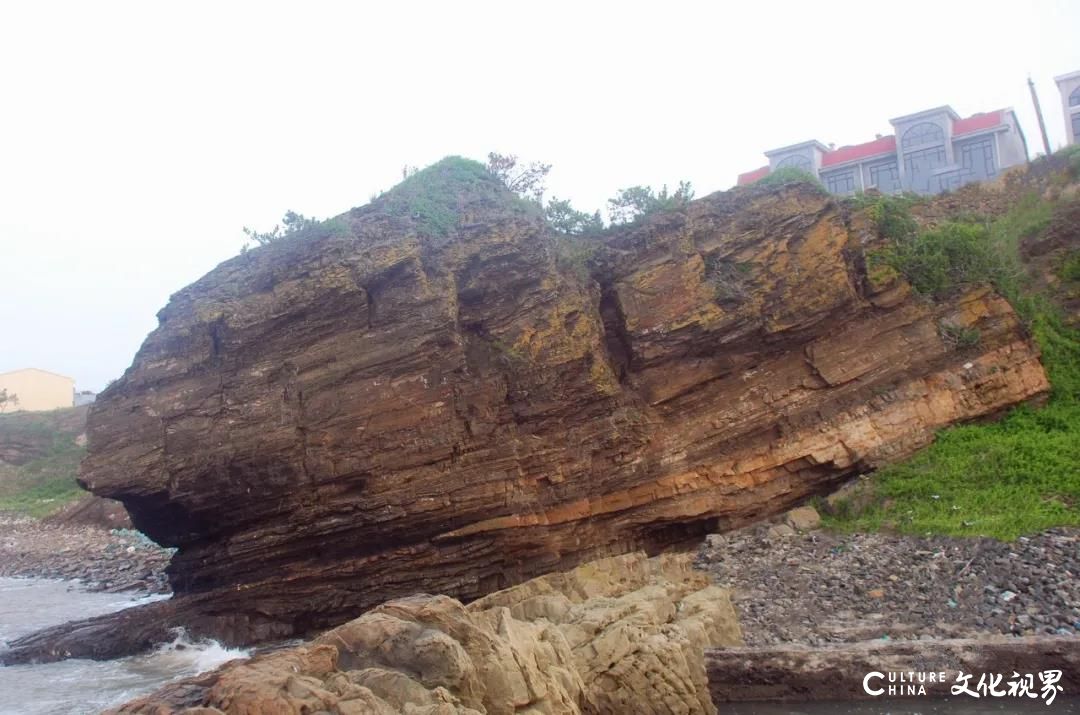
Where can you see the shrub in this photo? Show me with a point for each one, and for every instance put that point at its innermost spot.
(1069, 270)
(947, 260)
(890, 213)
(1004, 479)
(790, 175)
(637, 202)
(567, 220)
(959, 337)
(432, 198)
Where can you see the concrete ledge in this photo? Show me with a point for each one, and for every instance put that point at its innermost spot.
(801, 673)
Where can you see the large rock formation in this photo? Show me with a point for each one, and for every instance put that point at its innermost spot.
(619, 635)
(433, 393)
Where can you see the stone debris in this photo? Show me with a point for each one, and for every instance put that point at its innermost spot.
(101, 560)
(822, 587)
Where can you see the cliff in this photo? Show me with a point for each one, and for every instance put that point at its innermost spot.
(433, 393)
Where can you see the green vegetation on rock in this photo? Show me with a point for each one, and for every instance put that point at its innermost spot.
(45, 481)
(790, 175)
(637, 202)
(434, 198)
(1005, 479)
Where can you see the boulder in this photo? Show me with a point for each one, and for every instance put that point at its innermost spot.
(434, 393)
(624, 634)
(803, 518)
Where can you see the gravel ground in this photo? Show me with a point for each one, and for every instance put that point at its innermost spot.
(103, 560)
(820, 587)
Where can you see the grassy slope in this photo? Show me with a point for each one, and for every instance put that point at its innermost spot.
(1005, 479)
(42, 485)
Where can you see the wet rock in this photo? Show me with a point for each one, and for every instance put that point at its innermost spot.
(620, 635)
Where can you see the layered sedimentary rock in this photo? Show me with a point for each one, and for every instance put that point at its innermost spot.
(625, 634)
(432, 393)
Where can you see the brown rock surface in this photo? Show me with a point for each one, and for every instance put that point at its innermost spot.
(624, 634)
(801, 673)
(393, 405)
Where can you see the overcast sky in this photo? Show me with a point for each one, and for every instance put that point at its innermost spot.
(136, 139)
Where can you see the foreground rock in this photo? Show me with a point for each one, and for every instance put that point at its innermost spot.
(821, 588)
(101, 560)
(428, 394)
(800, 673)
(620, 635)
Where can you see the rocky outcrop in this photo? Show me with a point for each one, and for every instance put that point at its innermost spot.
(432, 394)
(625, 634)
(801, 673)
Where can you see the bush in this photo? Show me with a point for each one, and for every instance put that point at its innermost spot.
(567, 220)
(1069, 270)
(891, 213)
(959, 337)
(947, 260)
(637, 202)
(432, 198)
(1014, 477)
(790, 175)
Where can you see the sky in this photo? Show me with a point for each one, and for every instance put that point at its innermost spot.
(137, 139)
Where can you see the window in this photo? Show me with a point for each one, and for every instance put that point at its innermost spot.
(919, 167)
(841, 183)
(977, 157)
(885, 177)
(1076, 125)
(1074, 98)
(795, 161)
(924, 133)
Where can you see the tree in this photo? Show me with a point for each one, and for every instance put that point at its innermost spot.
(8, 399)
(637, 201)
(292, 224)
(565, 219)
(525, 180)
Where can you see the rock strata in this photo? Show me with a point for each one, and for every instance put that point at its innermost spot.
(625, 634)
(431, 394)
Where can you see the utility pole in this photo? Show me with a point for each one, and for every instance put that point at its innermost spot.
(1038, 113)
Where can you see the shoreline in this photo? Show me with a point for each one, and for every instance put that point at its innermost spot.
(101, 560)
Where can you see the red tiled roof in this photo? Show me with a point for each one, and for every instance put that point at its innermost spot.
(884, 145)
(752, 176)
(978, 122)
(887, 145)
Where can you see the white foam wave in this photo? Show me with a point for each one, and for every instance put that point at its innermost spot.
(184, 656)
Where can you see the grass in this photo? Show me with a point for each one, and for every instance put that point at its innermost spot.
(433, 198)
(1005, 479)
(43, 485)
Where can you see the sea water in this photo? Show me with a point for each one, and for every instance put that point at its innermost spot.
(86, 686)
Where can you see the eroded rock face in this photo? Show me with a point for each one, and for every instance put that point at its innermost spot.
(625, 634)
(381, 409)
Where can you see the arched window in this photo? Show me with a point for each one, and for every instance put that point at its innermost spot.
(796, 161)
(1074, 98)
(924, 133)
